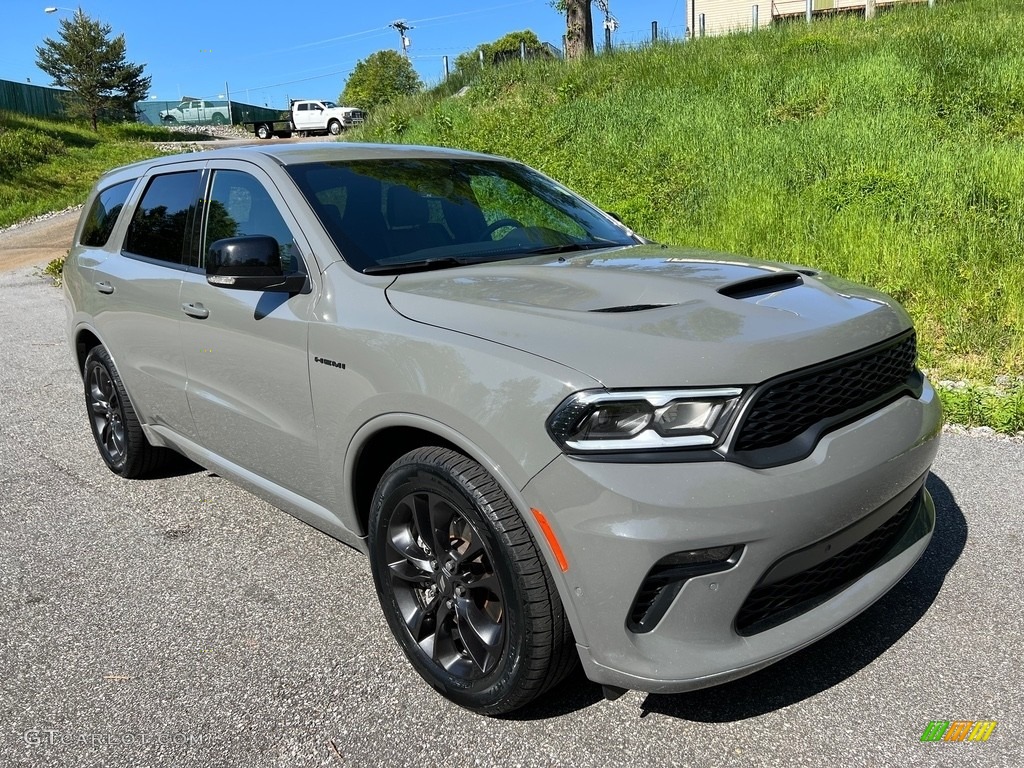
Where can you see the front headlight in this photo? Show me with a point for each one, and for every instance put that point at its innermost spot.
(643, 420)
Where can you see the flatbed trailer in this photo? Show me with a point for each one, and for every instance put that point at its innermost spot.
(268, 129)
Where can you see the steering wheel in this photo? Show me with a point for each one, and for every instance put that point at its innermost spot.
(494, 226)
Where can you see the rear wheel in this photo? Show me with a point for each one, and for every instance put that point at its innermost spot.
(463, 587)
(264, 131)
(219, 119)
(115, 425)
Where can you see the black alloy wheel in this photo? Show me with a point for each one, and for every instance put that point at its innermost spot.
(115, 425)
(444, 583)
(463, 587)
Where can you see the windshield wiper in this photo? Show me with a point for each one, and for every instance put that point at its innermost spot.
(439, 262)
(569, 247)
(443, 262)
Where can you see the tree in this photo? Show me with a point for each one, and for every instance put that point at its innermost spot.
(93, 68)
(502, 49)
(379, 79)
(579, 27)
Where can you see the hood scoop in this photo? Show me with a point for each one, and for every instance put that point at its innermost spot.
(631, 308)
(750, 287)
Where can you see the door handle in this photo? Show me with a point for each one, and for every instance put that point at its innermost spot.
(195, 309)
(104, 287)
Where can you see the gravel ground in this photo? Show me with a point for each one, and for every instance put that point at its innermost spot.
(27, 225)
(179, 621)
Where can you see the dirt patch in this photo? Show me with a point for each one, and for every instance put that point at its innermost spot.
(37, 242)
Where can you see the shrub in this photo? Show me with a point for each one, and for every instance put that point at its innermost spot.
(55, 270)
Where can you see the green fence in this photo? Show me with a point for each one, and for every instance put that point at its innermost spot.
(202, 112)
(28, 99)
(39, 101)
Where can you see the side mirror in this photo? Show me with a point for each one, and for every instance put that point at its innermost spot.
(250, 263)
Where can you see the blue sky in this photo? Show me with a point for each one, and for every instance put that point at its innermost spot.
(267, 52)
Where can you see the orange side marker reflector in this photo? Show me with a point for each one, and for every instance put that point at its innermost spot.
(549, 534)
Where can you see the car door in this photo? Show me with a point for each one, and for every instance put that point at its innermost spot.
(304, 116)
(139, 312)
(246, 351)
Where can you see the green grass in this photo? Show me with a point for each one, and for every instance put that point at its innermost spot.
(889, 152)
(1001, 408)
(47, 165)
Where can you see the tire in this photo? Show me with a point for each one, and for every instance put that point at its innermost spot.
(115, 425)
(219, 119)
(334, 127)
(462, 585)
(264, 131)
(170, 120)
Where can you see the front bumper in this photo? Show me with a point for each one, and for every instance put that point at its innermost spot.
(615, 521)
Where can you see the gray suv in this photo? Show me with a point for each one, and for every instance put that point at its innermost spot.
(554, 439)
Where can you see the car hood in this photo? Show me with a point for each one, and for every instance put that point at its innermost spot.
(655, 316)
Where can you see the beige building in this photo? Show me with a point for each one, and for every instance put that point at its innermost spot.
(724, 16)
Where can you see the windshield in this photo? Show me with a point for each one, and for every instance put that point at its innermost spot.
(400, 214)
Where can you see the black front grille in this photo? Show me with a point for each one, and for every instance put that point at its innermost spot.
(786, 408)
(769, 605)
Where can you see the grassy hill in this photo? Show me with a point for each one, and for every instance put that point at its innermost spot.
(890, 152)
(47, 165)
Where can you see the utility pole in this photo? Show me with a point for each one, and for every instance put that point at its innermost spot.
(402, 28)
(869, 9)
(610, 23)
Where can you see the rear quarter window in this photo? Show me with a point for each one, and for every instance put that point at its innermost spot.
(163, 217)
(104, 212)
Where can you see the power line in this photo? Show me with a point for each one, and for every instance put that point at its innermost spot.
(470, 13)
(370, 33)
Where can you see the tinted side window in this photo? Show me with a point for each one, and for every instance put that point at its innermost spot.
(104, 212)
(163, 218)
(239, 205)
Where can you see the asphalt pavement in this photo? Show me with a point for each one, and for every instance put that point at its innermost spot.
(180, 621)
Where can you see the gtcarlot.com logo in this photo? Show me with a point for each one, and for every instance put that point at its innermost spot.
(958, 730)
(47, 737)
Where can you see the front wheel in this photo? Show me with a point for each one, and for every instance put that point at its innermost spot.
(463, 587)
(334, 127)
(115, 425)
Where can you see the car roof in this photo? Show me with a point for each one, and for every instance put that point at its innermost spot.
(328, 151)
(296, 154)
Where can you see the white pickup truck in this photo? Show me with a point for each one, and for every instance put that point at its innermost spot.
(196, 111)
(308, 116)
